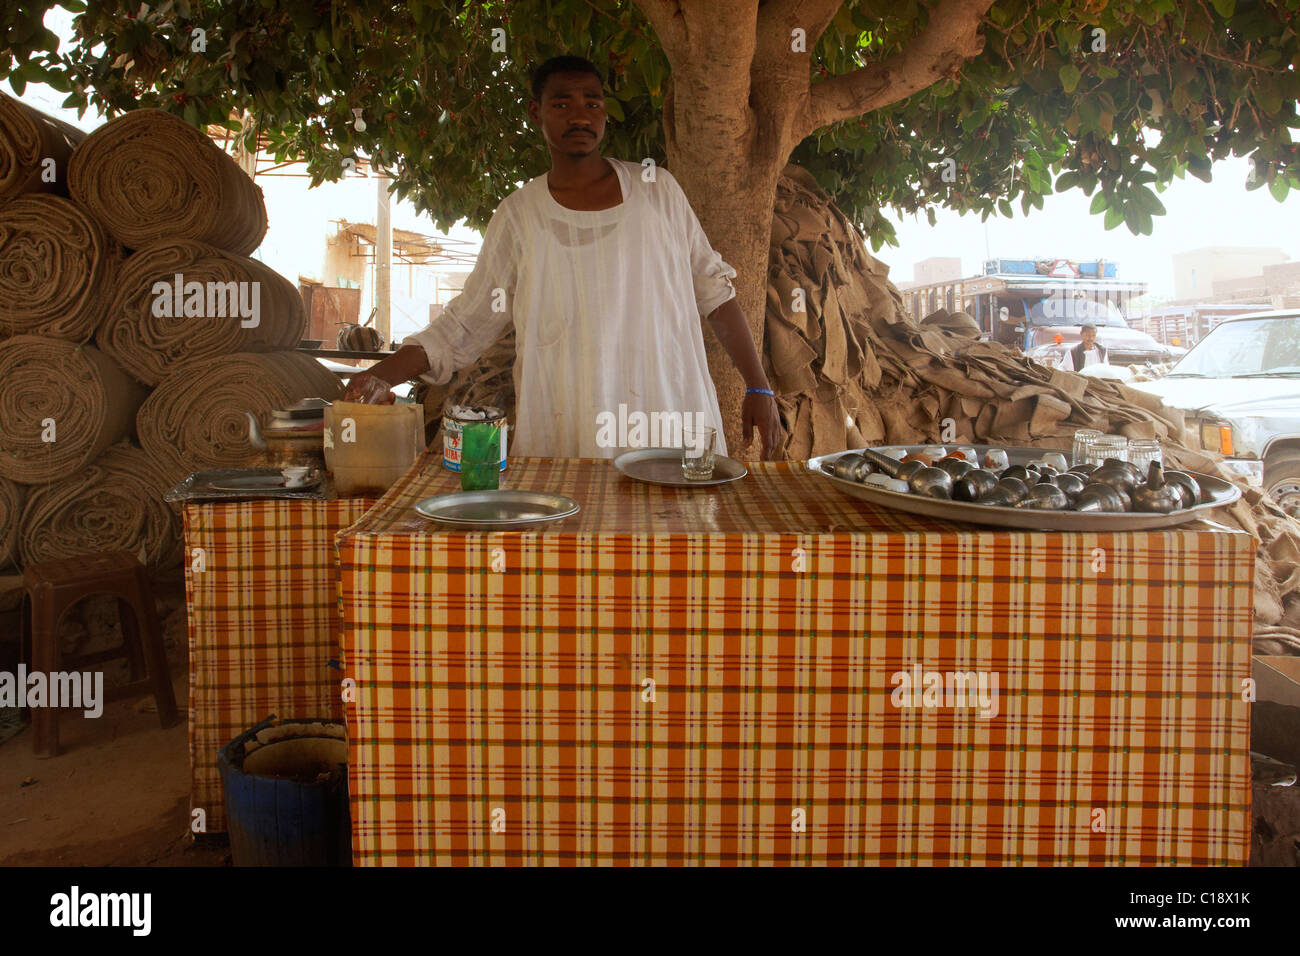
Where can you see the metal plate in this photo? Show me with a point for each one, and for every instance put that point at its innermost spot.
(200, 486)
(663, 466)
(501, 510)
(272, 481)
(1224, 492)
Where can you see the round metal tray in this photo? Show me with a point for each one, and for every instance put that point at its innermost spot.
(500, 510)
(1224, 492)
(663, 466)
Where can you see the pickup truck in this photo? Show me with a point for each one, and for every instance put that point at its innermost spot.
(1240, 387)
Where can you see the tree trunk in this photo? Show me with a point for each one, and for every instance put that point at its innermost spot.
(729, 171)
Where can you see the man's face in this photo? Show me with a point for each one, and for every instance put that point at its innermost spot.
(571, 113)
(1089, 338)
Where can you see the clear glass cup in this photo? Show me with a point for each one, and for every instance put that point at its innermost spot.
(1109, 446)
(1081, 453)
(1143, 451)
(697, 453)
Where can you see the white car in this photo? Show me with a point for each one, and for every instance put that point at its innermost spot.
(1240, 387)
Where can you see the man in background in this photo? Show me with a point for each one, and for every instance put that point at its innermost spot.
(1086, 353)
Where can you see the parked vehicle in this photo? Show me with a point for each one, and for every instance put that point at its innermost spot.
(1048, 319)
(1240, 386)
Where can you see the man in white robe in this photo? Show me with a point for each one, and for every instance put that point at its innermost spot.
(603, 269)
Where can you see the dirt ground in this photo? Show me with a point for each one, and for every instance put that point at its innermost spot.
(118, 793)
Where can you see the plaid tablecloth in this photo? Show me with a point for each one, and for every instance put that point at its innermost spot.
(263, 623)
(504, 713)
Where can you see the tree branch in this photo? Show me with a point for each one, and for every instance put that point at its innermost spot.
(814, 16)
(939, 51)
(669, 24)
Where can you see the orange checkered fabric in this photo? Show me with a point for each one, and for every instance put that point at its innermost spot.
(262, 594)
(720, 676)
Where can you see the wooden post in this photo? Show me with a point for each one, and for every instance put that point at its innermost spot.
(383, 258)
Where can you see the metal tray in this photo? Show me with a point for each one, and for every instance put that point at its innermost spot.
(204, 486)
(246, 484)
(663, 466)
(501, 510)
(1224, 492)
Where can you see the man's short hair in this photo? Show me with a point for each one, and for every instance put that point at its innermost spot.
(1086, 326)
(561, 64)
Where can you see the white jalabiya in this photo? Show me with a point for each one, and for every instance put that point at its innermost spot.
(606, 307)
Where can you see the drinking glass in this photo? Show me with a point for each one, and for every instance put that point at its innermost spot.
(1081, 453)
(1143, 451)
(697, 453)
(1109, 446)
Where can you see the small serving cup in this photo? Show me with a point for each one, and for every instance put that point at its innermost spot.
(296, 476)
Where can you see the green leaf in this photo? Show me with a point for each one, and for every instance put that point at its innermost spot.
(612, 106)
(1113, 217)
(1279, 188)
(1099, 203)
(1225, 8)
(1070, 77)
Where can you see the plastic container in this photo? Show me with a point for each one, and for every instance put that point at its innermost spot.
(286, 790)
(368, 447)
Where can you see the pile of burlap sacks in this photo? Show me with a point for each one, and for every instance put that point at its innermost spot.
(111, 395)
(852, 368)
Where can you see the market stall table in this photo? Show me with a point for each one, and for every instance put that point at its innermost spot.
(262, 595)
(724, 675)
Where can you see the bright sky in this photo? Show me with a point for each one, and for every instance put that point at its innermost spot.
(1217, 213)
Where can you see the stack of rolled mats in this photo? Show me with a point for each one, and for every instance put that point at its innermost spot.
(135, 330)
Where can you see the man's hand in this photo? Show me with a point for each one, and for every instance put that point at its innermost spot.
(369, 389)
(760, 411)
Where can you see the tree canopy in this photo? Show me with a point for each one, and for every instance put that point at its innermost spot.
(1114, 98)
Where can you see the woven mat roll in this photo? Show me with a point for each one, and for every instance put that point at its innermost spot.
(195, 418)
(57, 267)
(28, 138)
(113, 503)
(149, 345)
(11, 507)
(148, 175)
(75, 390)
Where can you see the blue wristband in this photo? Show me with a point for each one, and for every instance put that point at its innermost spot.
(760, 391)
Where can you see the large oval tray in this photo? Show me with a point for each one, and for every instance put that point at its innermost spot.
(663, 466)
(1224, 492)
(500, 510)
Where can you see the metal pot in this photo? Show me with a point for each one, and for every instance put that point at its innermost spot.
(1156, 496)
(1071, 483)
(1097, 496)
(851, 467)
(1044, 497)
(1189, 486)
(974, 485)
(931, 482)
(957, 467)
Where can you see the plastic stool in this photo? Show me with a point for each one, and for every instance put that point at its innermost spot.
(55, 586)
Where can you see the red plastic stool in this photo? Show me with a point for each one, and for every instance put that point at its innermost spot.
(55, 586)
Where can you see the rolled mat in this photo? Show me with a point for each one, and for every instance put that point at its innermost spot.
(113, 503)
(11, 508)
(61, 405)
(202, 314)
(57, 267)
(195, 418)
(27, 139)
(148, 175)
